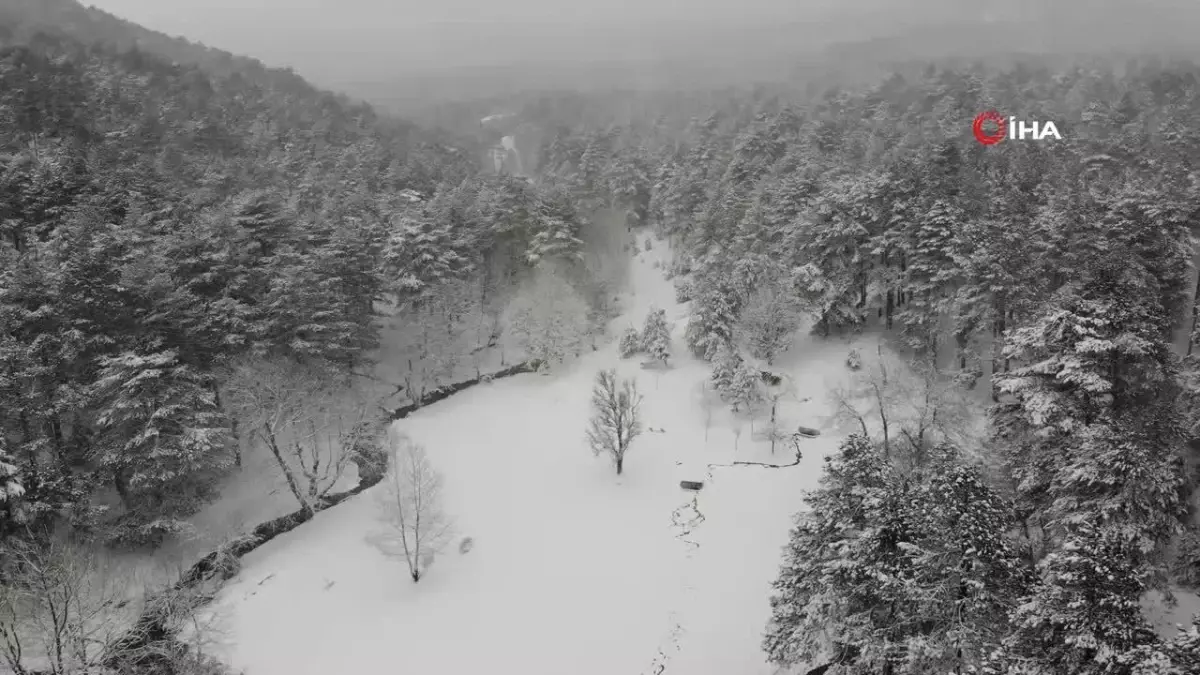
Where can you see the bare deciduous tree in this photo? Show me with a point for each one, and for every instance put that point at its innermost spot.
(616, 418)
(410, 506)
(709, 401)
(549, 319)
(312, 426)
(913, 406)
(60, 608)
(778, 431)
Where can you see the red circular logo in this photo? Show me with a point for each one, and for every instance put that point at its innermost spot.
(994, 137)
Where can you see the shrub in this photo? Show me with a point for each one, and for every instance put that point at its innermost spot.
(854, 360)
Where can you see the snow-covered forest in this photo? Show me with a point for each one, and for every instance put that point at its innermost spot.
(766, 380)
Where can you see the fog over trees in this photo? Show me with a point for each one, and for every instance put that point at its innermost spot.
(229, 279)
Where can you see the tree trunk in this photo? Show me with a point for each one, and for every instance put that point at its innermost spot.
(287, 472)
(121, 483)
(233, 428)
(620, 465)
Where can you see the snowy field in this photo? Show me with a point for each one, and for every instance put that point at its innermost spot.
(574, 569)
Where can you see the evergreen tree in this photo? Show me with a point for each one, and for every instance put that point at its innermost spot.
(631, 343)
(419, 256)
(1084, 614)
(11, 488)
(656, 335)
(163, 438)
(1079, 450)
(259, 217)
(713, 320)
(745, 388)
(556, 231)
(725, 364)
(892, 573)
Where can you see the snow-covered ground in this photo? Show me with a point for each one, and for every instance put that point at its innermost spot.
(574, 569)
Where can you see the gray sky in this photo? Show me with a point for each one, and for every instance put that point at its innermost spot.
(356, 43)
(340, 39)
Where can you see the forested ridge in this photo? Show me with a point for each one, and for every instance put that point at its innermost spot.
(168, 227)
(1050, 276)
(197, 254)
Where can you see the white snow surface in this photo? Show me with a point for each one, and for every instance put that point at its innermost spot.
(574, 569)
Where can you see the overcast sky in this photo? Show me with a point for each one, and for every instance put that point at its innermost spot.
(331, 39)
(344, 42)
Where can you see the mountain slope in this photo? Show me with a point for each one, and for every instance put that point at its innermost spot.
(158, 220)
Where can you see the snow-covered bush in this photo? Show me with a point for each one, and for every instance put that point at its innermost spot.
(854, 359)
(631, 342)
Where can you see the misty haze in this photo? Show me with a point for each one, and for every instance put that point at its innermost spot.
(603, 338)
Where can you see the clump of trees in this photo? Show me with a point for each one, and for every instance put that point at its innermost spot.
(630, 343)
(897, 572)
(549, 319)
(314, 425)
(737, 382)
(653, 339)
(1058, 275)
(67, 609)
(616, 417)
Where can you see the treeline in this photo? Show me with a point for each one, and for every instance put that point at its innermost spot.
(1057, 270)
(164, 225)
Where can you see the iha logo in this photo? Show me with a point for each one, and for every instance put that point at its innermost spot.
(991, 127)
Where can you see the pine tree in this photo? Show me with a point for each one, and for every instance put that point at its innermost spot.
(892, 573)
(656, 335)
(744, 390)
(259, 217)
(630, 343)
(821, 607)
(163, 438)
(725, 364)
(1079, 450)
(1084, 614)
(419, 256)
(714, 316)
(556, 231)
(11, 488)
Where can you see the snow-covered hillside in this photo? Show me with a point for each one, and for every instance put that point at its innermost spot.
(573, 569)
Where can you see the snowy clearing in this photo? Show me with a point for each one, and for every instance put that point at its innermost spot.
(573, 568)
